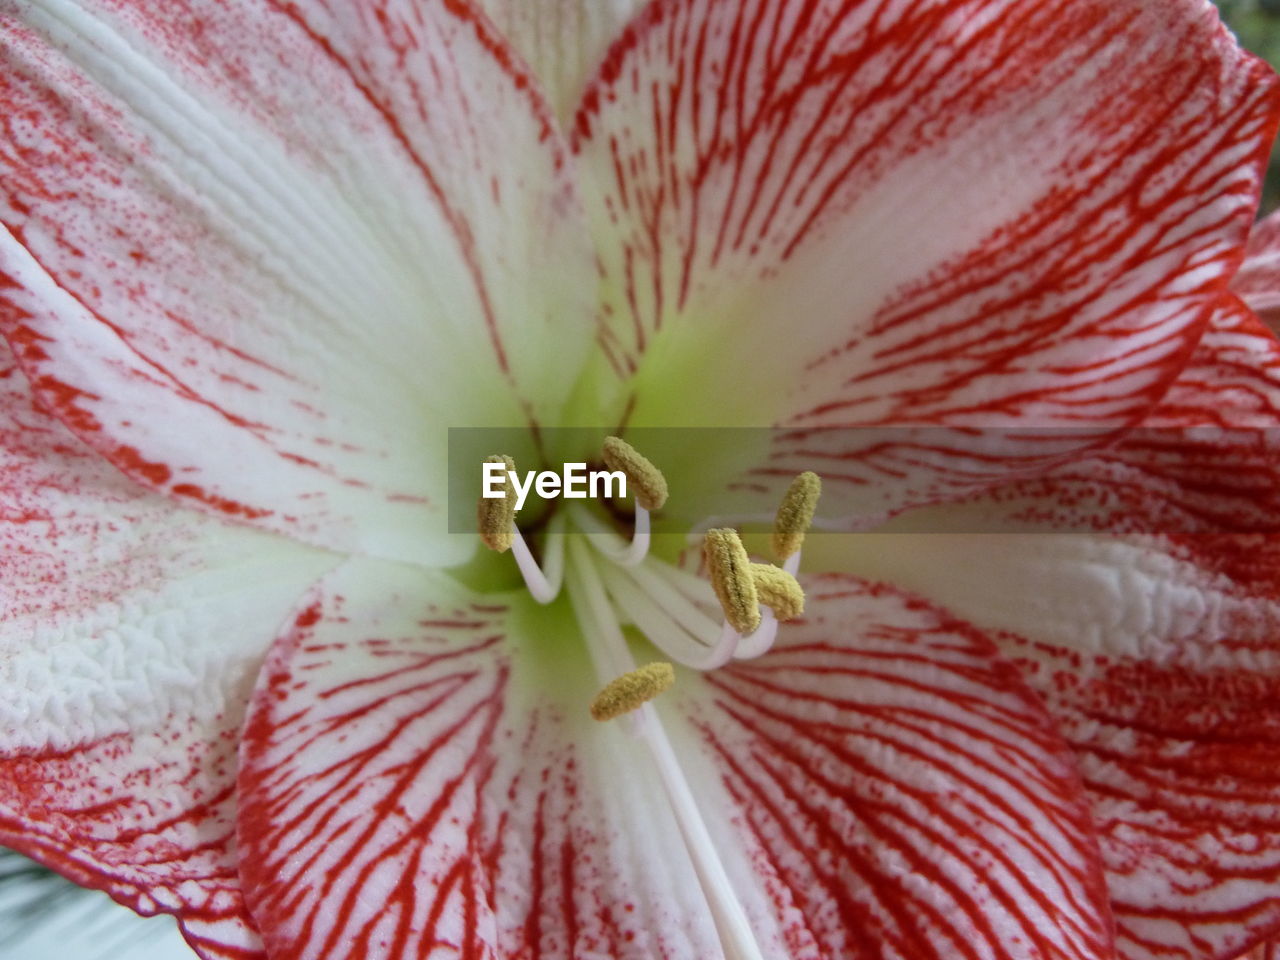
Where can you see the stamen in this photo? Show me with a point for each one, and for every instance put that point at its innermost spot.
(693, 610)
(796, 514)
(700, 643)
(608, 646)
(643, 477)
(778, 590)
(730, 570)
(760, 642)
(496, 516)
(632, 690)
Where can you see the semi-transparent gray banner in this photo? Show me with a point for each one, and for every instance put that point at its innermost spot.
(895, 479)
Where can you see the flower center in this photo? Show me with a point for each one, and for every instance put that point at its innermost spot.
(613, 582)
(666, 603)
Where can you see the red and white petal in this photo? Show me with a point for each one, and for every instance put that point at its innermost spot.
(1156, 652)
(1258, 281)
(1163, 673)
(563, 41)
(954, 212)
(130, 633)
(261, 255)
(1206, 461)
(419, 778)
(896, 791)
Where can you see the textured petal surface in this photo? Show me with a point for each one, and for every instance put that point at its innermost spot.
(261, 254)
(955, 212)
(564, 41)
(1206, 461)
(1161, 665)
(419, 779)
(130, 634)
(1258, 282)
(897, 791)
(1159, 652)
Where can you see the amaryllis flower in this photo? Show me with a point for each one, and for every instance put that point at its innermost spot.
(258, 256)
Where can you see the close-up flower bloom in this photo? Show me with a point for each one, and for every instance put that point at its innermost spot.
(976, 264)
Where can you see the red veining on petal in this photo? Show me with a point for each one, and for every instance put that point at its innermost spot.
(186, 244)
(1178, 759)
(951, 213)
(899, 790)
(1258, 281)
(129, 630)
(97, 815)
(399, 796)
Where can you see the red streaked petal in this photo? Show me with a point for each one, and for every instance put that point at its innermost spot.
(1156, 652)
(130, 633)
(419, 769)
(1258, 281)
(1180, 757)
(1232, 382)
(1206, 461)
(895, 788)
(562, 40)
(147, 817)
(957, 212)
(260, 255)
(1162, 671)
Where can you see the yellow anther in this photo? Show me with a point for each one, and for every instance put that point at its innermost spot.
(632, 690)
(646, 480)
(496, 516)
(730, 570)
(778, 589)
(795, 514)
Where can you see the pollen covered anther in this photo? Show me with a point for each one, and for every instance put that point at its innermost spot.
(632, 690)
(795, 514)
(643, 478)
(496, 516)
(730, 570)
(778, 590)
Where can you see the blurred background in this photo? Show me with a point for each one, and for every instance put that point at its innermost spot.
(43, 917)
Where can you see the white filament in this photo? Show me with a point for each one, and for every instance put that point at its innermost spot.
(612, 658)
(610, 545)
(674, 638)
(544, 586)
